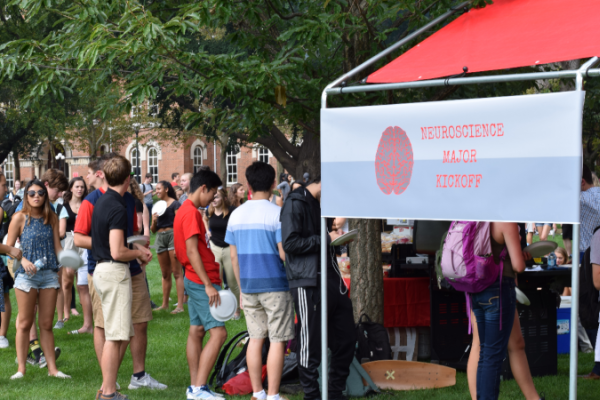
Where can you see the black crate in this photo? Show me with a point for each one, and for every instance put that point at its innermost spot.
(538, 326)
(450, 337)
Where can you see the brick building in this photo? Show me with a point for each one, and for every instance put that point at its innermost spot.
(160, 159)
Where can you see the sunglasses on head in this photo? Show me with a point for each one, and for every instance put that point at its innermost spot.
(40, 193)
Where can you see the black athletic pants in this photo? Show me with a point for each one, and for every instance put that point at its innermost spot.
(341, 338)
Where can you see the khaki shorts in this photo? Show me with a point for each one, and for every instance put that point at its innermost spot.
(141, 311)
(112, 281)
(164, 241)
(269, 314)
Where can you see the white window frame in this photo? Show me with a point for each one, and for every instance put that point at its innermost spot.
(133, 158)
(197, 157)
(262, 154)
(9, 171)
(232, 167)
(152, 161)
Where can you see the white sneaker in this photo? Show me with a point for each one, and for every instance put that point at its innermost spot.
(147, 382)
(3, 342)
(18, 375)
(203, 395)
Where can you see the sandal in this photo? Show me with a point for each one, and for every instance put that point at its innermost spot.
(177, 311)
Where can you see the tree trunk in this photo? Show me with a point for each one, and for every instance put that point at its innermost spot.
(309, 159)
(367, 274)
(223, 139)
(17, 166)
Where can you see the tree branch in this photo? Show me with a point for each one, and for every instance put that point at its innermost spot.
(284, 141)
(280, 108)
(286, 17)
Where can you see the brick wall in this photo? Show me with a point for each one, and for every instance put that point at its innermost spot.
(171, 158)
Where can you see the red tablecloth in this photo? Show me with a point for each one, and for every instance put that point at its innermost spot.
(406, 302)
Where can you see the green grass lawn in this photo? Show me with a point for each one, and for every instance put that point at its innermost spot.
(166, 362)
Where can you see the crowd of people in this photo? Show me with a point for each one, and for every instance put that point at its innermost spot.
(206, 236)
(264, 247)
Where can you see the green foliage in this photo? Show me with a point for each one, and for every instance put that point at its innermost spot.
(215, 64)
(168, 50)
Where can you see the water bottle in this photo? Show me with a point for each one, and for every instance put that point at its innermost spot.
(551, 260)
(40, 263)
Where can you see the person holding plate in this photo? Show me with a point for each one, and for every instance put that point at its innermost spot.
(162, 222)
(202, 282)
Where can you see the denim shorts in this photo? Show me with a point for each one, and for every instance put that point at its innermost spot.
(46, 279)
(198, 307)
(542, 224)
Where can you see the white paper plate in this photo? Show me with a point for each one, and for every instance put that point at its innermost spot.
(16, 265)
(522, 298)
(541, 248)
(345, 238)
(70, 259)
(138, 239)
(224, 312)
(159, 207)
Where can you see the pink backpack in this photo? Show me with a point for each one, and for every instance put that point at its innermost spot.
(467, 260)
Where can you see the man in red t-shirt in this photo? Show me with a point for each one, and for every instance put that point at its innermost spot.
(202, 282)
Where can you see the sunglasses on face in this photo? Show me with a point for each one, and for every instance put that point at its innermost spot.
(40, 193)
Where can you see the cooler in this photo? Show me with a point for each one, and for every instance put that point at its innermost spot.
(563, 324)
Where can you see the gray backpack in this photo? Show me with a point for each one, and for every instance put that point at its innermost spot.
(354, 383)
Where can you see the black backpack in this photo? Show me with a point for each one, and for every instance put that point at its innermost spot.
(9, 207)
(589, 304)
(225, 369)
(373, 341)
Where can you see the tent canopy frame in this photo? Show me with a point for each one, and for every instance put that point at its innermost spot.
(338, 87)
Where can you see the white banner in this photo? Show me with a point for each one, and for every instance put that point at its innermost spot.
(498, 159)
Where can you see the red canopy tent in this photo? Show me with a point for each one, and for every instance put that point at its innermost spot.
(505, 34)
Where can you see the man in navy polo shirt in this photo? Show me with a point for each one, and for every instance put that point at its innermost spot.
(141, 310)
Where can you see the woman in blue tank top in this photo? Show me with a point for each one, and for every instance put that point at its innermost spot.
(36, 280)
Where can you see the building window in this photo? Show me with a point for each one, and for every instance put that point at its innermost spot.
(197, 158)
(153, 164)
(9, 171)
(134, 161)
(232, 167)
(102, 149)
(263, 154)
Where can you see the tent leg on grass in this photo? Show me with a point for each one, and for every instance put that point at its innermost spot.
(574, 314)
(324, 360)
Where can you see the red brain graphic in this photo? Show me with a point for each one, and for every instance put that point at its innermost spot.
(394, 161)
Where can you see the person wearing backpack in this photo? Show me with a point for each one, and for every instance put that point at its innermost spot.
(148, 191)
(494, 308)
(594, 259)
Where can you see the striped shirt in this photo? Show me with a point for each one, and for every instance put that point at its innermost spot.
(254, 228)
(589, 217)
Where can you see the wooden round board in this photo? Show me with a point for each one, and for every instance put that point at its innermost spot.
(409, 375)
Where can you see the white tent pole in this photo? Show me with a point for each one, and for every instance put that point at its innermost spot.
(574, 350)
(324, 361)
(574, 343)
(532, 76)
(390, 49)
